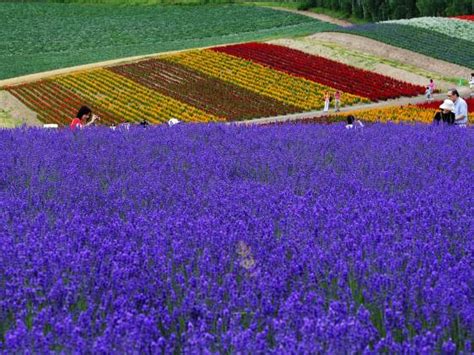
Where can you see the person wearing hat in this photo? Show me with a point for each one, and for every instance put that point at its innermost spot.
(446, 115)
(173, 121)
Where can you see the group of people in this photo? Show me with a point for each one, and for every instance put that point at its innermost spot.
(85, 117)
(328, 99)
(453, 110)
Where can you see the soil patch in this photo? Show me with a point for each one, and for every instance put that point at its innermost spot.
(15, 113)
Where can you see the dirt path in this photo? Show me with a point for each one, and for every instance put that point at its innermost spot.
(321, 17)
(380, 49)
(396, 102)
(18, 113)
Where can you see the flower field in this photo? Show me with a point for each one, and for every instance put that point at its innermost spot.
(300, 92)
(207, 86)
(321, 70)
(200, 90)
(113, 97)
(419, 113)
(422, 40)
(225, 239)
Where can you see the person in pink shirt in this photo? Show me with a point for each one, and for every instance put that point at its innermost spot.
(432, 87)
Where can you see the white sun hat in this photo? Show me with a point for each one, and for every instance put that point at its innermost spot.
(173, 121)
(447, 105)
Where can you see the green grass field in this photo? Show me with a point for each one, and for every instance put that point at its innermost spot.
(36, 37)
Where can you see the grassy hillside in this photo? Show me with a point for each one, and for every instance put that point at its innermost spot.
(36, 37)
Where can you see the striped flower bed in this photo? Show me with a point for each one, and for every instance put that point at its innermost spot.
(300, 92)
(200, 90)
(221, 84)
(324, 71)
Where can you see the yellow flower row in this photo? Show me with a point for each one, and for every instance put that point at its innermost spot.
(130, 100)
(395, 114)
(292, 90)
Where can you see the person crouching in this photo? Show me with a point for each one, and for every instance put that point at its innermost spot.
(446, 114)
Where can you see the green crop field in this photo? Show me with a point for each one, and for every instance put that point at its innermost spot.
(36, 37)
(430, 43)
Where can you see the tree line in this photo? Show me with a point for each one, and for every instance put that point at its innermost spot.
(379, 10)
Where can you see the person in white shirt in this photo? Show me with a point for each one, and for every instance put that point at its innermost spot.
(460, 108)
(352, 122)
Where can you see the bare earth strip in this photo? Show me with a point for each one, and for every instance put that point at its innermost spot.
(321, 17)
(18, 114)
(363, 60)
(380, 49)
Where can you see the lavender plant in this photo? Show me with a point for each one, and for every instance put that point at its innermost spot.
(223, 239)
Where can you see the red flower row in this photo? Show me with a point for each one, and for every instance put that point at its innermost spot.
(53, 102)
(324, 71)
(466, 17)
(435, 104)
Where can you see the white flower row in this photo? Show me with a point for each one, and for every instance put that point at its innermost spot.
(448, 26)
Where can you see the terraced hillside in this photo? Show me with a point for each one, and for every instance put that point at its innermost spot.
(230, 83)
(36, 37)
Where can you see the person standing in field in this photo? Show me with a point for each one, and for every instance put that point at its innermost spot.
(327, 98)
(460, 108)
(84, 117)
(432, 87)
(337, 101)
(428, 93)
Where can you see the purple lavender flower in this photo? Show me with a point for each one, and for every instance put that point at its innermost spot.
(214, 238)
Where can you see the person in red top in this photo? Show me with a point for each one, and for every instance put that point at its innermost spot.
(83, 115)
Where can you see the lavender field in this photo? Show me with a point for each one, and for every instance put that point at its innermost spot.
(223, 239)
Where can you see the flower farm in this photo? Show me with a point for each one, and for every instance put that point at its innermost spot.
(227, 83)
(214, 238)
